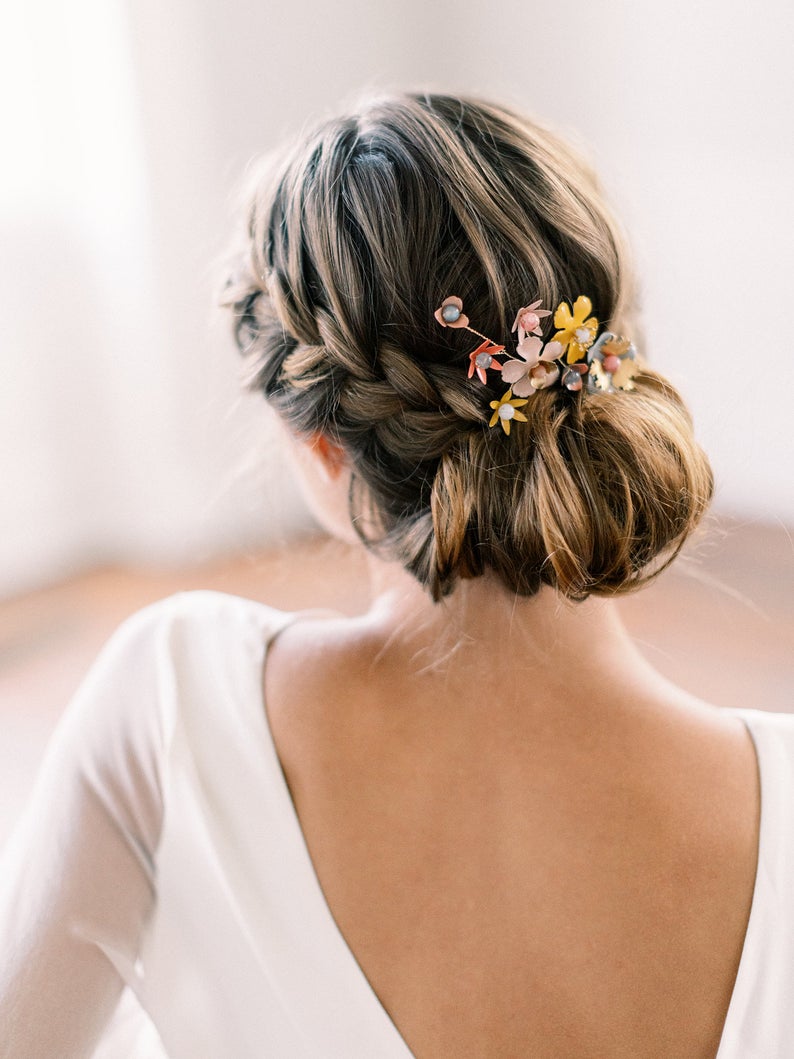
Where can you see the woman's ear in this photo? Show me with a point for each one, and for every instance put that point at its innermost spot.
(331, 457)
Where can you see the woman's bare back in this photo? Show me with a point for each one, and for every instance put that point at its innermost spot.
(518, 883)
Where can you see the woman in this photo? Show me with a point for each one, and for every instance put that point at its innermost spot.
(474, 821)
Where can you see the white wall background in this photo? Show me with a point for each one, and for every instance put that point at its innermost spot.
(128, 126)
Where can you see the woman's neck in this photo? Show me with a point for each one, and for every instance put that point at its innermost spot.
(570, 653)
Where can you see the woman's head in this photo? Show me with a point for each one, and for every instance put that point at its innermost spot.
(357, 235)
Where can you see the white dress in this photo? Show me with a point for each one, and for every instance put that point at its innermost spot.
(157, 897)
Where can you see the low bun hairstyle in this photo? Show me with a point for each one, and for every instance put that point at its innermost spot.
(356, 236)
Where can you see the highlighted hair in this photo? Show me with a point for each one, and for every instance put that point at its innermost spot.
(355, 236)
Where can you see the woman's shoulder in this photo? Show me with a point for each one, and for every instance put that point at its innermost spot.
(184, 631)
(197, 639)
(191, 661)
(187, 621)
(198, 607)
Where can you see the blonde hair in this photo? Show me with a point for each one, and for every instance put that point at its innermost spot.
(359, 232)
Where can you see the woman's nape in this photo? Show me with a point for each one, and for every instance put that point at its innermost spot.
(576, 656)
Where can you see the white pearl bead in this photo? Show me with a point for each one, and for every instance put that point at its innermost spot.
(451, 313)
(506, 411)
(483, 360)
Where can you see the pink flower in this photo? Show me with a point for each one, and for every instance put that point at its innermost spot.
(527, 321)
(536, 370)
(481, 359)
(450, 313)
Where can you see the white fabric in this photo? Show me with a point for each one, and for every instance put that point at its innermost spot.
(160, 863)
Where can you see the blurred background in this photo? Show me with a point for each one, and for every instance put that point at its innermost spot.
(131, 465)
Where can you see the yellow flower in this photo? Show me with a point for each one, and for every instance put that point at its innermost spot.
(577, 330)
(505, 409)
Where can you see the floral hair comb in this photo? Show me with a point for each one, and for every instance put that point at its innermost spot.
(609, 361)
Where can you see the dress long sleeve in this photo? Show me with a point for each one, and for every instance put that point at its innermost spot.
(77, 875)
(161, 863)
